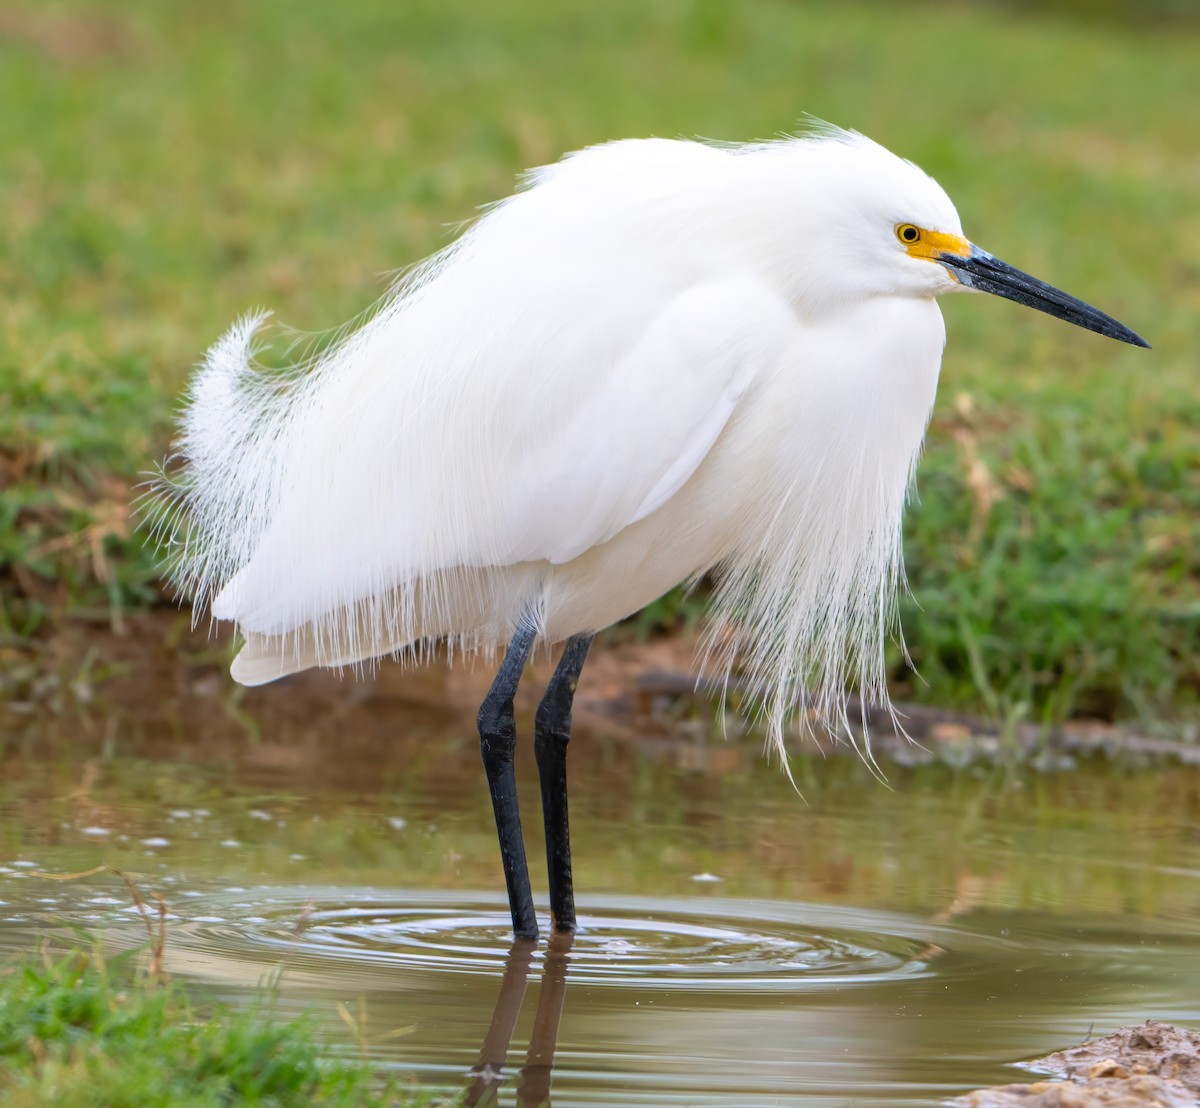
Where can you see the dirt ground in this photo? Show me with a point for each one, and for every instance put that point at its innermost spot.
(155, 667)
(1152, 1064)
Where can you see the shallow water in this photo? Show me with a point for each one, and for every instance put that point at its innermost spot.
(738, 945)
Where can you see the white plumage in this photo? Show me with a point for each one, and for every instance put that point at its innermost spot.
(657, 359)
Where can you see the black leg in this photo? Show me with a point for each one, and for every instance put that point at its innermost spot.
(550, 746)
(497, 743)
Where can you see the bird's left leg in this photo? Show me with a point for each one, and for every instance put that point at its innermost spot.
(552, 733)
(497, 744)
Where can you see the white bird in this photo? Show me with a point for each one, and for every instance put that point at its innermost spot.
(658, 359)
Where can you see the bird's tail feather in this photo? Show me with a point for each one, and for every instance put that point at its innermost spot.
(210, 501)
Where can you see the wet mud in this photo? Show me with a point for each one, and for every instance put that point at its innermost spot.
(155, 672)
(1153, 1065)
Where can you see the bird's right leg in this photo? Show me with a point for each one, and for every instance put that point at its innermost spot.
(551, 734)
(497, 744)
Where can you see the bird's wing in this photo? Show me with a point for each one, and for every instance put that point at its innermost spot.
(530, 450)
(637, 439)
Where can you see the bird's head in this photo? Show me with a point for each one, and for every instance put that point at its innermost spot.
(902, 235)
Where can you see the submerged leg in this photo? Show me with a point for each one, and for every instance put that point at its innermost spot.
(553, 732)
(497, 743)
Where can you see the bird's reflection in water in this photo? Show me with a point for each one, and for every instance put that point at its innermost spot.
(534, 1089)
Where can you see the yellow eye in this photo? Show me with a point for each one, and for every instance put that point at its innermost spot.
(908, 234)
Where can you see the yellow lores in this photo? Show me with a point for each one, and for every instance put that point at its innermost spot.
(931, 244)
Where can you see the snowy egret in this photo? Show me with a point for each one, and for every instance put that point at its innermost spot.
(658, 359)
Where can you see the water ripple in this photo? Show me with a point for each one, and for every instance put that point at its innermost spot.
(628, 942)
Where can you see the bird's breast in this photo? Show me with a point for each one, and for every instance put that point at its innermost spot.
(843, 412)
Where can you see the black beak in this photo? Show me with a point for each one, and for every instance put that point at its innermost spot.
(980, 270)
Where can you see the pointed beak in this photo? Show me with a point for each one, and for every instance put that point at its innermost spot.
(980, 270)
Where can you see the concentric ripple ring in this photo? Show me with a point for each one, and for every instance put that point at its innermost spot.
(703, 943)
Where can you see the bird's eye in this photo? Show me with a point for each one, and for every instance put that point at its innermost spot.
(907, 233)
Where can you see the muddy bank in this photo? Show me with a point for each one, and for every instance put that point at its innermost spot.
(154, 672)
(1153, 1065)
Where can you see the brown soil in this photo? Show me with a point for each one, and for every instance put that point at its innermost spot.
(1150, 1064)
(67, 38)
(154, 669)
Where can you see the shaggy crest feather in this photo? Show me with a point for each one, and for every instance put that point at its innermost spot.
(630, 373)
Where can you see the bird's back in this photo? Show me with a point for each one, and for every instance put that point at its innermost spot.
(414, 446)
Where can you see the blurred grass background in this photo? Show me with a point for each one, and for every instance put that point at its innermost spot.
(165, 167)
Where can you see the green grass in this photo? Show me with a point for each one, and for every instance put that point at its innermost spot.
(166, 167)
(76, 1031)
